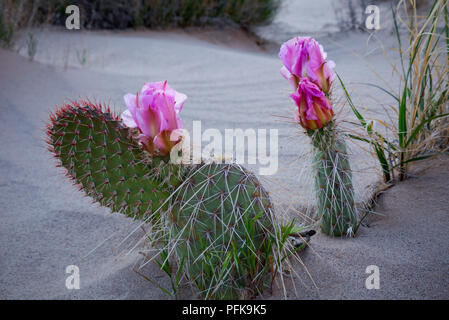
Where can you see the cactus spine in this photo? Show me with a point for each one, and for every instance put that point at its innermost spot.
(333, 182)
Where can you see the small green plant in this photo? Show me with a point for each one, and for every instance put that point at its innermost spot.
(81, 56)
(422, 107)
(31, 46)
(164, 264)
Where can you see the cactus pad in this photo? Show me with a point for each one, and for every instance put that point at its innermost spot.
(101, 156)
(221, 218)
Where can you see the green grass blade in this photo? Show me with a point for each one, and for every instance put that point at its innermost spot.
(417, 159)
(402, 119)
(380, 155)
(380, 88)
(398, 37)
(154, 283)
(377, 147)
(179, 273)
(351, 104)
(446, 29)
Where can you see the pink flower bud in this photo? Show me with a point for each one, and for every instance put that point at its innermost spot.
(155, 113)
(314, 110)
(305, 57)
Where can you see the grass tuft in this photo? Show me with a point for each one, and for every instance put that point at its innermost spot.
(421, 128)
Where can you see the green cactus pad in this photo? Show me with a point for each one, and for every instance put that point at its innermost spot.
(220, 220)
(101, 157)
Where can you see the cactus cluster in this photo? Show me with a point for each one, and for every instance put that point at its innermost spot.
(217, 219)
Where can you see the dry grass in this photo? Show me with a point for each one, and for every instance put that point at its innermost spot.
(420, 125)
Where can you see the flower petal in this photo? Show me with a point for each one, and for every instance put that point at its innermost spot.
(290, 77)
(131, 103)
(128, 120)
(156, 112)
(314, 110)
(180, 98)
(148, 117)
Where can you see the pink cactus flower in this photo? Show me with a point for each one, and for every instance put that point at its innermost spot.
(314, 110)
(155, 112)
(305, 57)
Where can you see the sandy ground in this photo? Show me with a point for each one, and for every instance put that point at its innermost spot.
(406, 238)
(317, 17)
(48, 225)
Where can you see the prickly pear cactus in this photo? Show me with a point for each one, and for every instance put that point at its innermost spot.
(217, 218)
(333, 183)
(221, 219)
(311, 75)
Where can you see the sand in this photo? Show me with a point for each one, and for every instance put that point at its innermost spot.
(406, 239)
(426, 219)
(47, 224)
